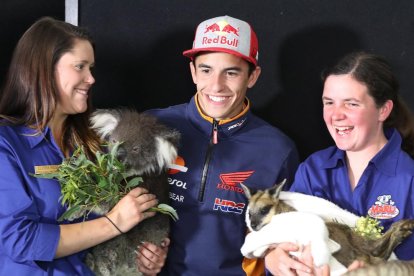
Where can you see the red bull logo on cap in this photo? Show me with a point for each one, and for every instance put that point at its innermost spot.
(222, 26)
(230, 29)
(212, 28)
(222, 29)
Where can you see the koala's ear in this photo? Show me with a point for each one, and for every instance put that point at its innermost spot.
(104, 121)
(173, 136)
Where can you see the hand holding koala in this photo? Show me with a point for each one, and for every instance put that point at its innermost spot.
(131, 209)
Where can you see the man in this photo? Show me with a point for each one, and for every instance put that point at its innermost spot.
(222, 145)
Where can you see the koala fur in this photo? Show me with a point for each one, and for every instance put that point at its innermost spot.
(264, 204)
(147, 148)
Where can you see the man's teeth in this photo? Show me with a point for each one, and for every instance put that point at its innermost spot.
(217, 99)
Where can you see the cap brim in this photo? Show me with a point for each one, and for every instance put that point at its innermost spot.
(192, 52)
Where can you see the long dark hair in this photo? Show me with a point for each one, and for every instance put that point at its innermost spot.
(30, 93)
(376, 73)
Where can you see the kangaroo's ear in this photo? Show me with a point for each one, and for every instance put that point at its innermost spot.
(104, 121)
(247, 191)
(275, 190)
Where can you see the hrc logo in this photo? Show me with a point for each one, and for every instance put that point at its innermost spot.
(228, 206)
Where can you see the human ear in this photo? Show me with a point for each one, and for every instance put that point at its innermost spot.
(254, 76)
(385, 110)
(193, 72)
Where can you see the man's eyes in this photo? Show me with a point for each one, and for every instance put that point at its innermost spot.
(232, 73)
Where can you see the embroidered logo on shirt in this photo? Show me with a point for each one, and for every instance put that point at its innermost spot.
(230, 181)
(236, 124)
(228, 206)
(384, 208)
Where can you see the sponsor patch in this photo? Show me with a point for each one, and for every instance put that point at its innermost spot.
(178, 166)
(228, 206)
(175, 197)
(177, 183)
(230, 181)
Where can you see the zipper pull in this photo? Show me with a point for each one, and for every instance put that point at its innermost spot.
(215, 139)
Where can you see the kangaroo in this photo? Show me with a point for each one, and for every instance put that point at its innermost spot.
(264, 204)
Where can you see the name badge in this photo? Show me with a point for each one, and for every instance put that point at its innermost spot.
(46, 169)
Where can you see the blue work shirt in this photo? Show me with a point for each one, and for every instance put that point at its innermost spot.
(385, 190)
(30, 207)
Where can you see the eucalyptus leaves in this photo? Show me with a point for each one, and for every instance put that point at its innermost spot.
(97, 186)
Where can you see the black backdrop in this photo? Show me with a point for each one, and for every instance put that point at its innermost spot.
(140, 64)
(15, 17)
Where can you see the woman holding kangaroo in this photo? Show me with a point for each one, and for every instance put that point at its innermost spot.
(370, 170)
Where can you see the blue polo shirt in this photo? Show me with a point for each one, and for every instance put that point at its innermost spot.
(385, 190)
(30, 207)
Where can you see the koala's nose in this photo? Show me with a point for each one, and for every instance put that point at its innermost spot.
(121, 154)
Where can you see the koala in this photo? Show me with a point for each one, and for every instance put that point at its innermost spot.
(147, 148)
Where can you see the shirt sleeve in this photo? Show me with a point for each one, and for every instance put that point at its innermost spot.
(301, 183)
(289, 167)
(23, 236)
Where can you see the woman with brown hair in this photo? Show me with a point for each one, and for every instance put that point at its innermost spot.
(370, 170)
(44, 109)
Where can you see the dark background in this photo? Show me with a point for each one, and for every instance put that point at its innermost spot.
(139, 60)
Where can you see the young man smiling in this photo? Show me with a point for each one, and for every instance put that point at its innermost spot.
(222, 145)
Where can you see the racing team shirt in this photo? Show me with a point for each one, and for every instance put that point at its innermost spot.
(215, 157)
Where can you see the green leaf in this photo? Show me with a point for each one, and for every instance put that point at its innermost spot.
(102, 182)
(45, 175)
(165, 209)
(134, 182)
(87, 184)
(68, 213)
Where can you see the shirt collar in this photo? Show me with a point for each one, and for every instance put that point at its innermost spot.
(246, 108)
(35, 137)
(336, 157)
(225, 127)
(385, 160)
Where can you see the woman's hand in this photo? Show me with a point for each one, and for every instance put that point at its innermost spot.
(127, 213)
(131, 209)
(306, 258)
(279, 262)
(355, 265)
(151, 258)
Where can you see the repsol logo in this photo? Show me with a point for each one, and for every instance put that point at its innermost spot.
(177, 183)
